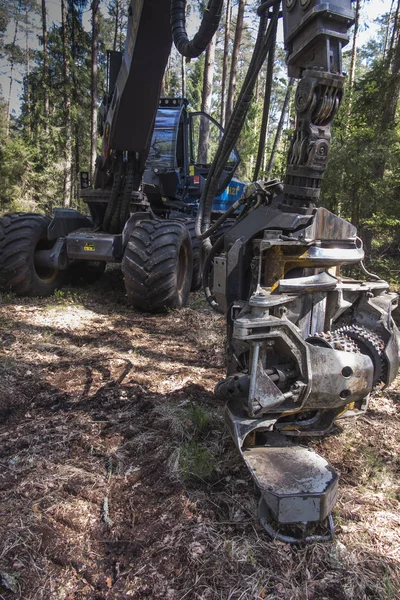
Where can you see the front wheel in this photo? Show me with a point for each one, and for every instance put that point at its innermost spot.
(21, 236)
(157, 265)
(197, 253)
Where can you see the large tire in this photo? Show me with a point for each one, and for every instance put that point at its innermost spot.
(197, 254)
(157, 265)
(21, 234)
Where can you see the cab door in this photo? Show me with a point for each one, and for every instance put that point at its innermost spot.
(205, 135)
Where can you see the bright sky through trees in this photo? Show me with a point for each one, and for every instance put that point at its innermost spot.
(371, 11)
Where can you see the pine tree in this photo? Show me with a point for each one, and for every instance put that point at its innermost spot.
(234, 62)
(45, 77)
(94, 83)
(67, 93)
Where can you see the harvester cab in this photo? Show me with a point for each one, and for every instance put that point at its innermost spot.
(182, 149)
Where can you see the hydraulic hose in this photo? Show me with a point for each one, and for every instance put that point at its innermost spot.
(123, 212)
(226, 215)
(240, 112)
(218, 246)
(266, 6)
(208, 27)
(116, 187)
(263, 44)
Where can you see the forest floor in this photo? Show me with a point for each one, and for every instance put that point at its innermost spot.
(118, 479)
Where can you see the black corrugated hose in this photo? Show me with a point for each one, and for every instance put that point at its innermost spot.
(236, 122)
(209, 25)
(115, 190)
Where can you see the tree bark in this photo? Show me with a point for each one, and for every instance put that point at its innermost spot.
(208, 78)
(280, 127)
(393, 88)
(27, 71)
(267, 102)
(116, 24)
(234, 63)
(67, 92)
(385, 47)
(225, 59)
(350, 86)
(45, 77)
(94, 100)
(183, 77)
(167, 78)
(12, 66)
(390, 97)
(162, 91)
(394, 32)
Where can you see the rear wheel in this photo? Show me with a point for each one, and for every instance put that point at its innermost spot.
(157, 265)
(21, 236)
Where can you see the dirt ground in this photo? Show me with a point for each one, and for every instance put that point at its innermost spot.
(118, 479)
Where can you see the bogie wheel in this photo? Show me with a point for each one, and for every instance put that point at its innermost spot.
(157, 265)
(21, 235)
(197, 253)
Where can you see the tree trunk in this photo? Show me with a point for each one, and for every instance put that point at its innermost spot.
(45, 77)
(385, 47)
(267, 102)
(394, 31)
(12, 66)
(95, 43)
(183, 76)
(116, 24)
(67, 92)
(162, 90)
(167, 78)
(121, 23)
(235, 56)
(208, 78)
(27, 71)
(390, 97)
(280, 127)
(393, 88)
(225, 59)
(350, 86)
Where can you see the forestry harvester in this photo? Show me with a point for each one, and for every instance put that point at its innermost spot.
(305, 344)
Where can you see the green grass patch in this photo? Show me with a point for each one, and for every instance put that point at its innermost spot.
(200, 417)
(196, 461)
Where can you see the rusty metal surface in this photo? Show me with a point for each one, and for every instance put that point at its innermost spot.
(327, 226)
(337, 378)
(240, 426)
(306, 536)
(295, 300)
(314, 283)
(264, 393)
(392, 353)
(297, 484)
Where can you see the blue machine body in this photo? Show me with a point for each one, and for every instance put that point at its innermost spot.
(182, 149)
